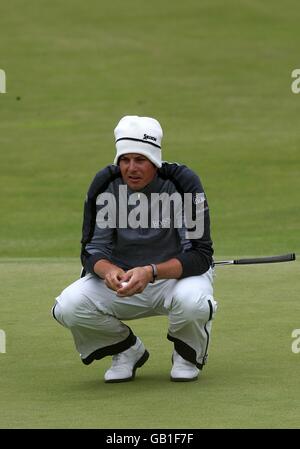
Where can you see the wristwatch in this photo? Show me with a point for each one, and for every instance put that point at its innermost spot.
(154, 272)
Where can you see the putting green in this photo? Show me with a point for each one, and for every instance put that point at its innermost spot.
(251, 379)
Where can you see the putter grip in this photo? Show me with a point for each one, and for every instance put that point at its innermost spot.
(271, 259)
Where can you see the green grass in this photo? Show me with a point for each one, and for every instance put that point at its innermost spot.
(218, 77)
(251, 379)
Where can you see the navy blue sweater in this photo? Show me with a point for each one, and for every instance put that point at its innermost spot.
(129, 247)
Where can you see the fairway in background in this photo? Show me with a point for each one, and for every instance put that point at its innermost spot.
(216, 75)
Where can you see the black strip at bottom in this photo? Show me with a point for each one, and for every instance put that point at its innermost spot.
(185, 351)
(112, 349)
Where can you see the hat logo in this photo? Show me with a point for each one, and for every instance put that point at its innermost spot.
(146, 137)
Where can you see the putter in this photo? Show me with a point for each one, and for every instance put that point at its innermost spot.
(255, 260)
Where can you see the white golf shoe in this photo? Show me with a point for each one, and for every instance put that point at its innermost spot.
(125, 363)
(183, 370)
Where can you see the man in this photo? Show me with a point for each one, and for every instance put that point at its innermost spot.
(142, 258)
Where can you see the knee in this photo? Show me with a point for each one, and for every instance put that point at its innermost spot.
(68, 308)
(196, 306)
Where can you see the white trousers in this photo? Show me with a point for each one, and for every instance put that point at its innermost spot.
(93, 313)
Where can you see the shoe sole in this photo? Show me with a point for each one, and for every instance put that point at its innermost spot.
(138, 364)
(183, 379)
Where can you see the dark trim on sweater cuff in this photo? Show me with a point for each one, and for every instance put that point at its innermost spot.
(192, 265)
(112, 349)
(91, 261)
(185, 351)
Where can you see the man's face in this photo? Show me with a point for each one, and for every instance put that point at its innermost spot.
(137, 171)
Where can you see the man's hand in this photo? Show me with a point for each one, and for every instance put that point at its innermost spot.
(137, 279)
(110, 273)
(114, 278)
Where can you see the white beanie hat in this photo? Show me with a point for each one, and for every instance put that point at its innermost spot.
(142, 135)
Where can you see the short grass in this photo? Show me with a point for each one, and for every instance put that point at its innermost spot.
(218, 77)
(251, 380)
